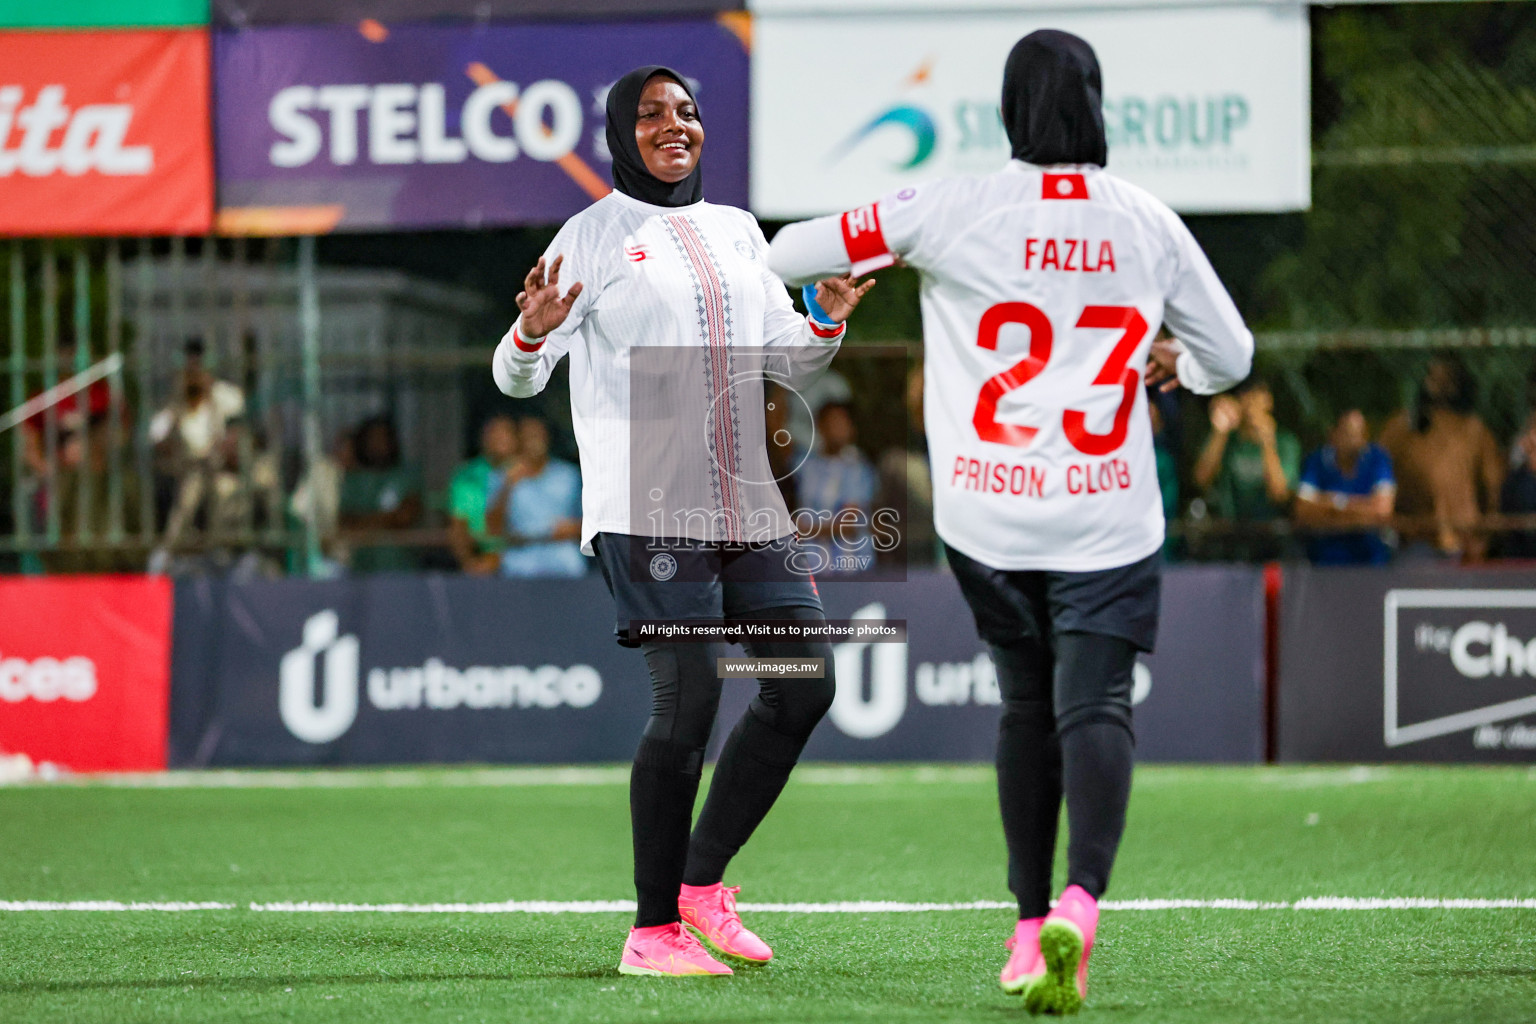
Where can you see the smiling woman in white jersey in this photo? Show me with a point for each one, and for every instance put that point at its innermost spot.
(1043, 286)
(671, 318)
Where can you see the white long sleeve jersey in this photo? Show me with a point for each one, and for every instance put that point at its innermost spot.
(1042, 291)
(677, 321)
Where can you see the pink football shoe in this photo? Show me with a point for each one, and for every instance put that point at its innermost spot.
(1026, 964)
(1066, 940)
(667, 951)
(710, 910)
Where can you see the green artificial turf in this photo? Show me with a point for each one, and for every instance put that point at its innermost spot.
(905, 834)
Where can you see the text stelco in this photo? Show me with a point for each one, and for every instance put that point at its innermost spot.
(408, 124)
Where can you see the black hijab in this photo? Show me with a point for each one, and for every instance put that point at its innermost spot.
(629, 173)
(1053, 108)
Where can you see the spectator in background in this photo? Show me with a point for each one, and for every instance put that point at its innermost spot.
(319, 494)
(1167, 466)
(476, 547)
(1248, 467)
(837, 484)
(89, 454)
(906, 486)
(1346, 495)
(537, 506)
(1447, 463)
(381, 493)
(195, 447)
(1519, 493)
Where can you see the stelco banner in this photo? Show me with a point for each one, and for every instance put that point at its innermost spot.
(445, 126)
(105, 133)
(85, 671)
(1206, 107)
(1408, 665)
(424, 668)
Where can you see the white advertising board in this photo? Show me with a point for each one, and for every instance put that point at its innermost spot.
(1205, 107)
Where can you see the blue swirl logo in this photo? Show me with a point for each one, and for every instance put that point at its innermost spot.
(913, 119)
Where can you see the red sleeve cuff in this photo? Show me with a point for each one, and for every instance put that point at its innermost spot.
(823, 331)
(523, 346)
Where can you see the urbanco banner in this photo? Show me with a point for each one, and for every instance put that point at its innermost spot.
(105, 133)
(322, 128)
(394, 669)
(1408, 665)
(85, 671)
(1206, 107)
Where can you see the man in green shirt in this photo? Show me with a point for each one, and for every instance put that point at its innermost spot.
(1249, 466)
(479, 551)
(382, 493)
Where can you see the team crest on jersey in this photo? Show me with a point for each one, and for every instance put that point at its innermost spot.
(745, 248)
(663, 567)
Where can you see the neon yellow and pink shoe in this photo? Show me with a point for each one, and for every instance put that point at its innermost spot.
(1025, 964)
(1066, 940)
(667, 951)
(710, 910)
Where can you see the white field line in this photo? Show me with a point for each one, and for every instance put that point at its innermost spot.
(617, 775)
(848, 907)
(111, 905)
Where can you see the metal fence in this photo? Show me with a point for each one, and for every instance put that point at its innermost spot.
(1421, 239)
(115, 346)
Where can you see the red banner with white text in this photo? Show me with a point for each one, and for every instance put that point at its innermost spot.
(85, 670)
(105, 133)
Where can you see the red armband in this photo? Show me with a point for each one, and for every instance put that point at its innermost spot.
(864, 241)
(823, 331)
(523, 346)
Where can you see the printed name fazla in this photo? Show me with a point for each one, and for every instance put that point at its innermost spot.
(1069, 254)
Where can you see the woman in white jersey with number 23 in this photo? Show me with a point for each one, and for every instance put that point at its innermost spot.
(1043, 286)
(670, 316)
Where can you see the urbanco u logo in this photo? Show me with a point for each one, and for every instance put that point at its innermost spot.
(325, 662)
(851, 712)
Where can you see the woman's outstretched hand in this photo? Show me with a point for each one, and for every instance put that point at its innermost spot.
(840, 295)
(542, 307)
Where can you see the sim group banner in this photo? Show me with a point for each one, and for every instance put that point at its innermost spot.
(369, 126)
(105, 133)
(85, 671)
(1408, 664)
(394, 669)
(1205, 106)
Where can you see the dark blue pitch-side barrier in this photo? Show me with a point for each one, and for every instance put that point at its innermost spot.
(425, 668)
(1408, 664)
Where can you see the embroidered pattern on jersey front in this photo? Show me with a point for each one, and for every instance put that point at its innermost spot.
(713, 301)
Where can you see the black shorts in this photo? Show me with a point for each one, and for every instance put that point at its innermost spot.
(701, 580)
(1037, 604)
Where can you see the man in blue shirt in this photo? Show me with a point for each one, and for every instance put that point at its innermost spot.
(1346, 495)
(538, 506)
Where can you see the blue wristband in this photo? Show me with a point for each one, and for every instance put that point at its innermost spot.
(808, 296)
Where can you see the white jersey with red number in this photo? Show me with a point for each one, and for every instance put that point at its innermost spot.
(1042, 290)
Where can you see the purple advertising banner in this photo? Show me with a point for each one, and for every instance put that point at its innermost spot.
(419, 126)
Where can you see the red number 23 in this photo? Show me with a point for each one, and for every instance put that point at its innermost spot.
(1116, 371)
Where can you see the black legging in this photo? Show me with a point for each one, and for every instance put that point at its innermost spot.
(754, 764)
(1065, 729)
